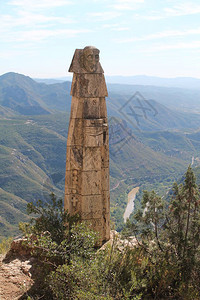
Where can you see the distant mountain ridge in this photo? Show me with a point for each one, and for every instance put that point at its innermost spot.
(25, 96)
(179, 82)
(179, 93)
(22, 95)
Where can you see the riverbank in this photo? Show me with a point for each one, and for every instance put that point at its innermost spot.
(130, 205)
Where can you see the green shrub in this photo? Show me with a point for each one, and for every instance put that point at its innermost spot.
(168, 236)
(48, 217)
(164, 262)
(59, 241)
(5, 245)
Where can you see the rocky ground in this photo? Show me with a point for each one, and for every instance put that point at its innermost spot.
(15, 277)
(18, 269)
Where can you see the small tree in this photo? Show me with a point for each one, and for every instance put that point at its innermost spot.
(168, 235)
(59, 242)
(49, 217)
(183, 226)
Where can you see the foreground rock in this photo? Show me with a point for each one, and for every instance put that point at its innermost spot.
(121, 243)
(19, 271)
(16, 269)
(15, 278)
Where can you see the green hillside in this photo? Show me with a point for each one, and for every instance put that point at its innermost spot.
(132, 164)
(180, 99)
(29, 164)
(27, 97)
(13, 211)
(33, 147)
(33, 151)
(173, 144)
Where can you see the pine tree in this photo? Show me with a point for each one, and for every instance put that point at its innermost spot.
(183, 225)
(168, 235)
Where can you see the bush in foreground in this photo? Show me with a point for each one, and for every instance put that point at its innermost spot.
(168, 236)
(164, 263)
(5, 245)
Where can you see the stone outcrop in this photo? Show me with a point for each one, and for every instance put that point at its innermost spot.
(18, 247)
(16, 269)
(87, 165)
(15, 278)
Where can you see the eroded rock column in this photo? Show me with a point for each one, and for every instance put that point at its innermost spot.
(87, 167)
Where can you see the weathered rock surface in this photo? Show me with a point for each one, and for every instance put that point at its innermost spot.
(119, 242)
(15, 277)
(18, 248)
(87, 164)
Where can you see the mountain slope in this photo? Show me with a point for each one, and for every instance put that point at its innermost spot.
(142, 115)
(33, 152)
(178, 82)
(33, 147)
(179, 99)
(27, 97)
(30, 168)
(176, 144)
(21, 94)
(13, 211)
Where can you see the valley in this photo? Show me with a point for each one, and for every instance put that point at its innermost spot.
(149, 149)
(130, 205)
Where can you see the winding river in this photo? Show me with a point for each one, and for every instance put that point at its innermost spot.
(130, 205)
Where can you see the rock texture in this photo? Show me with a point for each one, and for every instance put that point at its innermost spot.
(87, 165)
(20, 272)
(15, 277)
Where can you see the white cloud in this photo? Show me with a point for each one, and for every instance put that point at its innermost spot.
(30, 19)
(180, 46)
(120, 29)
(41, 35)
(151, 17)
(183, 9)
(22, 20)
(116, 27)
(127, 4)
(16, 51)
(7, 54)
(105, 16)
(160, 35)
(39, 4)
(27, 25)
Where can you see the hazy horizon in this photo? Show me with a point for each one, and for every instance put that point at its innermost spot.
(107, 75)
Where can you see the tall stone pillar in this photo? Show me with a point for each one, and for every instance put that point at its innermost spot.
(87, 166)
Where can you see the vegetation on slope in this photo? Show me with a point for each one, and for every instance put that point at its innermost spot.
(30, 167)
(33, 153)
(33, 147)
(161, 262)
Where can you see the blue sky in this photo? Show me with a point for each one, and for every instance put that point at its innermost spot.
(135, 37)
